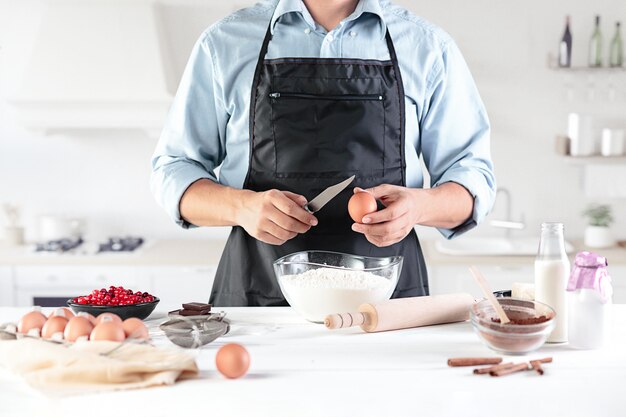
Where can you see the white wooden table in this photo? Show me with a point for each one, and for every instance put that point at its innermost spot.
(302, 369)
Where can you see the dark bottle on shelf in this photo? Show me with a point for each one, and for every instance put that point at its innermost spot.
(616, 56)
(595, 46)
(565, 46)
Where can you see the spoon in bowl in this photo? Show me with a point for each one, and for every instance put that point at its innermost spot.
(484, 286)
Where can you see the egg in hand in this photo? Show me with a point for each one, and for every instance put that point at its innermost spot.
(361, 204)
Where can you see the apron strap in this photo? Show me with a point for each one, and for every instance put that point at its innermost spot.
(400, 84)
(253, 95)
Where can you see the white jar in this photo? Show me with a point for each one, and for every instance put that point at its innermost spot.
(589, 302)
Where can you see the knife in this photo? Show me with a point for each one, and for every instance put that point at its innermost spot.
(325, 196)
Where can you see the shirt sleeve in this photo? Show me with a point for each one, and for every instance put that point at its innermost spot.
(191, 145)
(455, 135)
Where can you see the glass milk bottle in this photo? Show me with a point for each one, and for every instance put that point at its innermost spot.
(589, 292)
(551, 275)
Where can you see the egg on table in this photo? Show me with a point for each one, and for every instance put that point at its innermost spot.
(33, 320)
(54, 325)
(361, 204)
(108, 330)
(65, 312)
(91, 318)
(77, 327)
(114, 317)
(232, 360)
(135, 328)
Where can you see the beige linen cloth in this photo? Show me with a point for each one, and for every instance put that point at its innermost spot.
(85, 367)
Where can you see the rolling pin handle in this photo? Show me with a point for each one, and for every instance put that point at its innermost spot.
(342, 320)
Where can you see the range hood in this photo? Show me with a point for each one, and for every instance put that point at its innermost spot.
(106, 64)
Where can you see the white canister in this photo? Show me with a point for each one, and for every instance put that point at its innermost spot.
(589, 302)
(59, 227)
(612, 142)
(580, 133)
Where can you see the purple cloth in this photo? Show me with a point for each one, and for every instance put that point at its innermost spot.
(590, 272)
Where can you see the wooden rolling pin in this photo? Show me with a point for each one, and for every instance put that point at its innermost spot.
(403, 313)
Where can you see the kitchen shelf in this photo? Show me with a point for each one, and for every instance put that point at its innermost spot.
(594, 160)
(588, 70)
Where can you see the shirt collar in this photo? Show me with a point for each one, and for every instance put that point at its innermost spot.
(365, 6)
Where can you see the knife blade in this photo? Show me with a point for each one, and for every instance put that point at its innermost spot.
(328, 194)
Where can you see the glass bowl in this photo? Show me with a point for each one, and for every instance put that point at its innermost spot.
(318, 283)
(512, 339)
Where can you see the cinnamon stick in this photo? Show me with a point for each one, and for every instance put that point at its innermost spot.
(473, 361)
(489, 369)
(510, 370)
(537, 367)
(544, 360)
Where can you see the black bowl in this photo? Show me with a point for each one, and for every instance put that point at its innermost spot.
(141, 310)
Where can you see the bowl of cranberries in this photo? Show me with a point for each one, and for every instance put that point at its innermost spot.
(119, 300)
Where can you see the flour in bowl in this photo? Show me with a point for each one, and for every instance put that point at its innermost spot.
(322, 291)
(337, 278)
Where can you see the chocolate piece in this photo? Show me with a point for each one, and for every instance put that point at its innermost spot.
(185, 312)
(196, 306)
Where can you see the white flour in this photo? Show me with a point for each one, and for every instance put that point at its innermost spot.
(319, 292)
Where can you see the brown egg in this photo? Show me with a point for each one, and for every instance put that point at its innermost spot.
(91, 318)
(232, 360)
(32, 320)
(114, 317)
(65, 312)
(360, 204)
(108, 330)
(55, 324)
(135, 328)
(78, 326)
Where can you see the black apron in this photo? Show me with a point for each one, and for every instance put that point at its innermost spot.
(313, 123)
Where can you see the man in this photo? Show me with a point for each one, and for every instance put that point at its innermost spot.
(289, 97)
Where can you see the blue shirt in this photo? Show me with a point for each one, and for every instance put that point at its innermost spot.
(207, 126)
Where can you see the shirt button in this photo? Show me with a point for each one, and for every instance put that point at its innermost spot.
(307, 31)
(330, 38)
(352, 33)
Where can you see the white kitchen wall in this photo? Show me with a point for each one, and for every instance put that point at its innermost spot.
(103, 176)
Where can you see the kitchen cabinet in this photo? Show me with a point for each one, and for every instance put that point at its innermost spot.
(52, 285)
(6, 286)
(174, 270)
(455, 278)
(175, 285)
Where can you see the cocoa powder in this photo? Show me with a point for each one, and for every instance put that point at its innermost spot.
(523, 321)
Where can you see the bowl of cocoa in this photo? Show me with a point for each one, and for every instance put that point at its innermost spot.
(531, 322)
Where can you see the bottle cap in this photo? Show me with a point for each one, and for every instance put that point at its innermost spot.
(590, 272)
(590, 259)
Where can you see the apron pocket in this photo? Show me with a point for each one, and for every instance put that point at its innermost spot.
(323, 133)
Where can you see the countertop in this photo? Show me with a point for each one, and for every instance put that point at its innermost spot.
(302, 369)
(208, 252)
(616, 256)
(158, 252)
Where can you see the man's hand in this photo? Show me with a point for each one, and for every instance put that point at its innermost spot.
(395, 221)
(447, 206)
(274, 216)
(271, 216)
